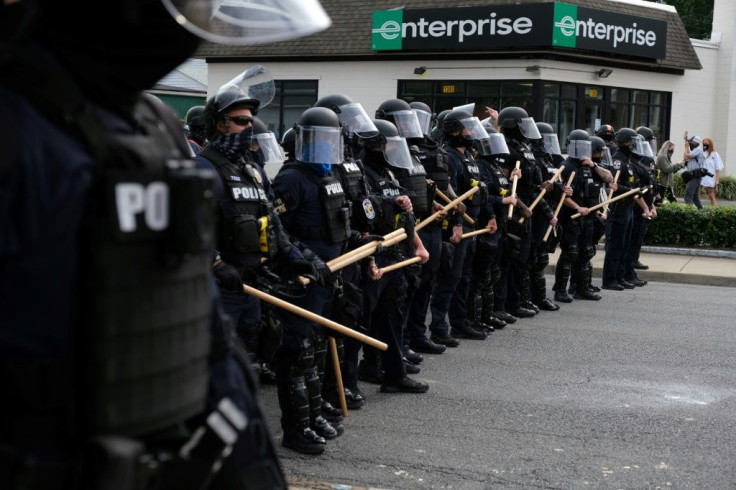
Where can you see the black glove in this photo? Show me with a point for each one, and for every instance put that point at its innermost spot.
(304, 268)
(322, 272)
(356, 239)
(227, 277)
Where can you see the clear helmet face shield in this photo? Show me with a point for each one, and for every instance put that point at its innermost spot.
(551, 144)
(606, 160)
(247, 22)
(641, 147)
(494, 144)
(356, 121)
(319, 144)
(396, 152)
(579, 149)
(529, 129)
(425, 120)
(652, 144)
(473, 129)
(407, 123)
(266, 142)
(254, 83)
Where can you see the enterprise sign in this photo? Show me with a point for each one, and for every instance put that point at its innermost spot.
(509, 26)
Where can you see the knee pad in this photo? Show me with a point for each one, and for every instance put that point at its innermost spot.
(542, 261)
(305, 357)
(570, 253)
(587, 253)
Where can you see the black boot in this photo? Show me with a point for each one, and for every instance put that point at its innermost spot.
(292, 395)
(326, 429)
(562, 276)
(582, 291)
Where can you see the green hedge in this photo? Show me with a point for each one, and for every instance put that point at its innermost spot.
(684, 225)
(726, 187)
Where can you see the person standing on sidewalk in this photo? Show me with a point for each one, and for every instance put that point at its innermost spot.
(714, 165)
(666, 170)
(695, 159)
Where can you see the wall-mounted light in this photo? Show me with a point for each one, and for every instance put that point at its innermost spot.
(420, 70)
(533, 68)
(604, 72)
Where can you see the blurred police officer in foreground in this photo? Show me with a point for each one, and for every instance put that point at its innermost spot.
(107, 309)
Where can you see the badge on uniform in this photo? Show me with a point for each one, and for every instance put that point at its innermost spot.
(370, 213)
(279, 206)
(617, 164)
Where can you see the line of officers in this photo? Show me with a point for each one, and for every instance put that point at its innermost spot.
(349, 180)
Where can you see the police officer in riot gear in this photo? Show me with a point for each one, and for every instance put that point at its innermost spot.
(385, 293)
(434, 160)
(195, 128)
(490, 263)
(436, 131)
(356, 125)
(548, 156)
(450, 296)
(421, 190)
(107, 378)
(646, 171)
(264, 147)
(315, 211)
(247, 228)
(620, 213)
(520, 130)
(577, 242)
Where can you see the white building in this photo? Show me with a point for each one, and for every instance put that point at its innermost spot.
(576, 64)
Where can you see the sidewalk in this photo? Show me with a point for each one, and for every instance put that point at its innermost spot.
(679, 265)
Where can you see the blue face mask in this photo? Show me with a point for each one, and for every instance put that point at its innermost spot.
(321, 169)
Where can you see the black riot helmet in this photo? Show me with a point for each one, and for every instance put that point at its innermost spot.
(424, 114)
(195, 116)
(436, 132)
(606, 132)
(391, 143)
(401, 114)
(351, 114)
(319, 137)
(515, 122)
(578, 144)
(550, 142)
(597, 145)
(627, 139)
(288, 143)
(195, 122)
(648, 136)
(470, 128)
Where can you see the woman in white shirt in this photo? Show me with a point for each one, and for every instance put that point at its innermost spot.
(714, 165)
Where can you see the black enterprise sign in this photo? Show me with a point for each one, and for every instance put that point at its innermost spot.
(510, 26)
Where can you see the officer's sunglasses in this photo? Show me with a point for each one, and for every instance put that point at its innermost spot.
(241, 120)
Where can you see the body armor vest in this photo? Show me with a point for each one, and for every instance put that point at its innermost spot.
(146, 284)
(434, 161)
(472, 178)
(352, 178)
(414, 180)
(496, 182)
(385, 185)
(243, 212)
(530, 172)
(587, 187)
(622, 162)
(335, 227)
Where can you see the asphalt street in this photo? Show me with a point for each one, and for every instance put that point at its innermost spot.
(633, 391)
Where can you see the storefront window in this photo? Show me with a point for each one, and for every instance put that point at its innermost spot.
(560, 108)
(292, 97)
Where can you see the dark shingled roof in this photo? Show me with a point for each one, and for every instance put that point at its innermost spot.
(349, 39)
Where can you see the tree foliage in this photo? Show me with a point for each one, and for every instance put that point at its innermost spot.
(697, 15)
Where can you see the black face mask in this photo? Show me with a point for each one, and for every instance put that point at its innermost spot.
(669, 153)
(692, 147)
(705, 147)
(457, 140)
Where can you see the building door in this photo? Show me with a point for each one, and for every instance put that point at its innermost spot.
(592, 109)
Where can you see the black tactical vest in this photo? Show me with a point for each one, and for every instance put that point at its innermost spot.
(530, 173)
(472, 178)
(434, 161)
(414, 180)
(587, 187)
(244, 210)
(627, 177)
(146, 303)
(335, 227)
(386, 187)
